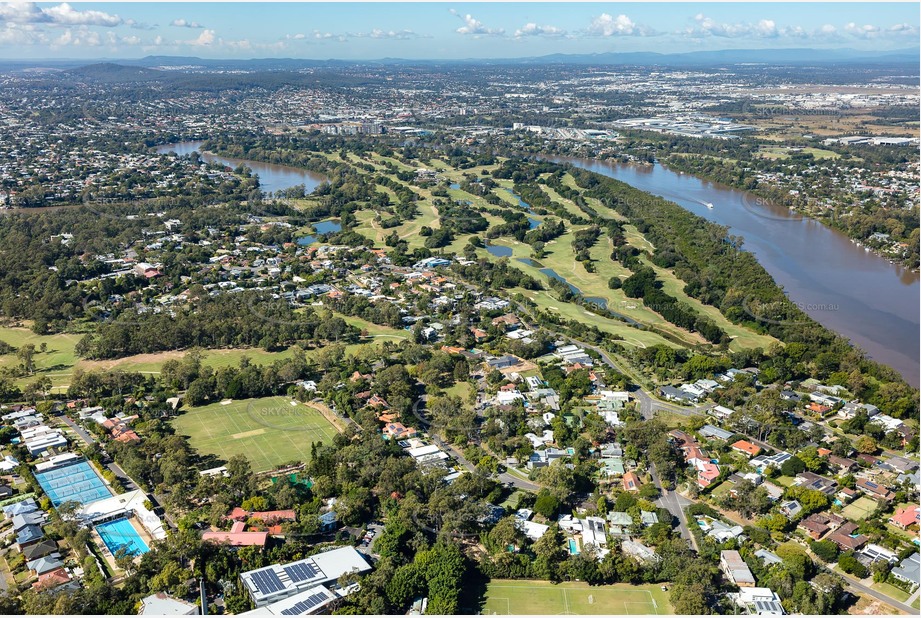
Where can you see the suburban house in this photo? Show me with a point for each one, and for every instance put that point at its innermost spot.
(843, 539)
(757, 601)
(746, 448)
(906, 516)
(909, 570)
(735, 569)
(631, 481)
(874, 490)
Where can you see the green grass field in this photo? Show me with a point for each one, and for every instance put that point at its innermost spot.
(516, 597)
(268, 431)
(859, 509)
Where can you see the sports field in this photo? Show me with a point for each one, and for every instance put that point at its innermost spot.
(515, 597)
(861, 508)
(268, 431)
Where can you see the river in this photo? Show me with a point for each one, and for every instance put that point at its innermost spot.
(858, 294)
(272, 177)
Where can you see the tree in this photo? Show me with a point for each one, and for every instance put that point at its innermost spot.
(546, 504)
(866, 444)
(826, 550)
(792, 466)
(689, 599)
(549, 554)
(26, 355)
(849, 564)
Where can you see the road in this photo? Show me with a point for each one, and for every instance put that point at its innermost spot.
(675, 503)
(87, 438)
(505, 477)
(859, 587)
(856, 585)
(126, 480)
(648, 407)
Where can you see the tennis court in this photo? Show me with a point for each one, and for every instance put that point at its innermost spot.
(859, 509)
(75, 481)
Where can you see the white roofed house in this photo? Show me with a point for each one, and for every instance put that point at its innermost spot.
(277, 582)
(162, 604)
(757, 601)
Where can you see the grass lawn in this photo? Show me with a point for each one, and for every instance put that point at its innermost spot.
(889, 590)
(778, 152)
(460, 389)
(859, 509)
(721, 489)
(268, 431)
(516, 597)
(56, 362)
(512, 500)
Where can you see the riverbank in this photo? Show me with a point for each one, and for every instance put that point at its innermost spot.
(858, 239)
(864, 298)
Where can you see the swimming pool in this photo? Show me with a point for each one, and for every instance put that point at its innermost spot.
(120, 532)
(573, 547)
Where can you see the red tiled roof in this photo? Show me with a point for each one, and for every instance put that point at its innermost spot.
(906, 516)
(746, 447)
(237, 539)
(52, 578)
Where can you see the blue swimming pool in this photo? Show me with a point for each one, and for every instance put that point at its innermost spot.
(118, 533)
(573, 547)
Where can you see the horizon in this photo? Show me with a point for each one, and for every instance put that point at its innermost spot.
(441, 30)
(857, 55)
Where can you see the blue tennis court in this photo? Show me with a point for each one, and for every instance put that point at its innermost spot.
(76, 481)
(120, 533)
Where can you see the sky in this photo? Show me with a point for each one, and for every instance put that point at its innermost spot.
(440, 30)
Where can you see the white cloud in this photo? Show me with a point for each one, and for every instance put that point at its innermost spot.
(139, 25)
(475, 27)
(79, 37)
(22, 13)
(766, 28)
(828, 29)
(21, 34)
(182, 23)
(706, 26)
(67, 15)
(388, 34)
(903, 29)
(866, 30)
(608, 25)
(204, 39)
(532, 29)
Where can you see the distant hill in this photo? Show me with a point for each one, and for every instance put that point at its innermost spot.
(148, 68)
(737, 56)
(726, 56)
(109, 71)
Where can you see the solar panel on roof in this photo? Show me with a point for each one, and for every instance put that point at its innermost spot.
(301, 571)
(306, 605)
(267, 582)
